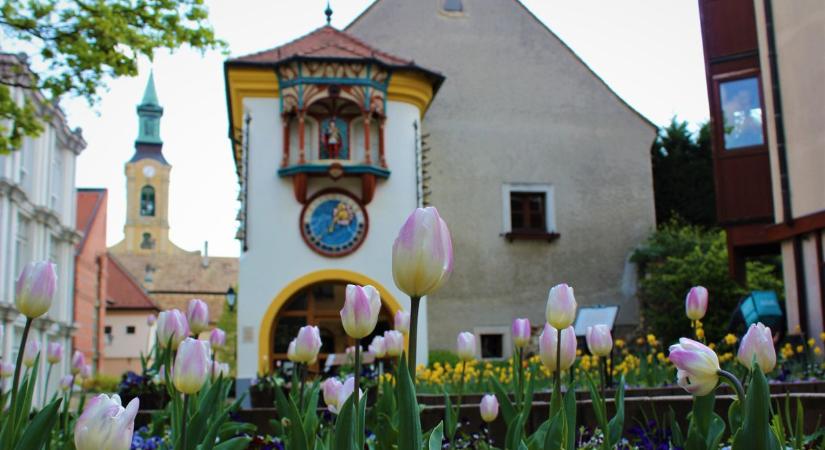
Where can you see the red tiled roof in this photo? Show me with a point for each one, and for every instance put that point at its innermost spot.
(88, 204)
(325, 42)
(123, 291)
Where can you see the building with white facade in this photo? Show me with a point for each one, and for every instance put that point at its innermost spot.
(37, 220)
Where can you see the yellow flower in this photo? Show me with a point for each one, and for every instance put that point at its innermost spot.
(712, 346)
(811, 342)
(620, 342)
(700, 333)
(817, 350)
(800, 349)
(730, 339)
(822, 336)
(651, 340)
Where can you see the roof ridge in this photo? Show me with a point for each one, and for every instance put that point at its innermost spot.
(131, 279)
(99, 193)
(278, 47)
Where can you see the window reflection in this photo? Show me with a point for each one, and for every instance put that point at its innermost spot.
(741, 113)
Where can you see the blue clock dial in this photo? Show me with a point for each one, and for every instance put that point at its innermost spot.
(333, 224)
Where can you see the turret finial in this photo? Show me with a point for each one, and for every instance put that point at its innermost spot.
(328, 13)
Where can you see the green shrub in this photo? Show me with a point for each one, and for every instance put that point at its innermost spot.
(443, 356)
(103, 383)
(678, 256)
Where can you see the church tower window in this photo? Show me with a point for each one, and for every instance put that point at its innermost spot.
(147, 201)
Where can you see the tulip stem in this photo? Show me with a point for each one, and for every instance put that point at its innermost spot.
(414, 304)
(519, 377)
(66, 408)
(184, 420)
(735, 383)
(603, 376)
(303, 374)
(46, 385)
(458, 403)
(359, 421)
(20, 352)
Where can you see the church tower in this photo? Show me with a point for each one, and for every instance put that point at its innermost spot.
(147, 185)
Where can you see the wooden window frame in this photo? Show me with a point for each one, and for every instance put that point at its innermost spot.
(549, 233)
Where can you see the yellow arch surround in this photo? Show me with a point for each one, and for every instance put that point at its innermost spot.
(268, 321)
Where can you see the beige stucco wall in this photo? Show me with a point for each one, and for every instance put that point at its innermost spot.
(799, 30)
(122, 345)
(519, 107)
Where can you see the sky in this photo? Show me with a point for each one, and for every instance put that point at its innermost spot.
(648, 51)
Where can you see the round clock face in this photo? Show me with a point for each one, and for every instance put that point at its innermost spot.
(149, 171)
(333, 223)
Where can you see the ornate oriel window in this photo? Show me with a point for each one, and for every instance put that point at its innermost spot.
(147, 201)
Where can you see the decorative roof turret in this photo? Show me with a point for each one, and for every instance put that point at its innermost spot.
(149, 114)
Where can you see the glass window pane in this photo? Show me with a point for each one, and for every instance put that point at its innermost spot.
(741, 113)
(492, 346)
(286, 330)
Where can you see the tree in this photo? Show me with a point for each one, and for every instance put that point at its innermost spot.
(81, 44)
(683, 175)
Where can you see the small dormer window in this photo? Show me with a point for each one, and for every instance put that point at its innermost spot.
(453, 6)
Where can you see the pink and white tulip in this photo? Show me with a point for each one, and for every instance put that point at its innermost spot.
(217, 339)
(197, 314)
(344, 393)
(30, 353)
(360, 313)
(402, 321)
(394, 343)
(218, 369)
(331, 388)
(561, 306)
(290, 352)
(758, 343)
(466, 346)
(697, 366)
(6, 369)
(548, 343)
(489, 408)
(377, 347)
(191, 366)
(307, 344)
(54, 352)
(66, 383)
(105, 424)
(696, 303)
(151, 319)
(172, 325)
(86, 372)
(35, 289)
(599, 340)
(422, 255)
(78, 361)
(521, 332)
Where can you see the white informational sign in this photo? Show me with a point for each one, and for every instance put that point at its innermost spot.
(595, 315)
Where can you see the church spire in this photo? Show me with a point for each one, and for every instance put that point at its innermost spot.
(149, 114)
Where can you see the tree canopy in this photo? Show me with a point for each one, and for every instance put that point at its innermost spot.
(83, 43)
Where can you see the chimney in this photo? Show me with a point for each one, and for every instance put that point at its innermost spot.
(205, 260)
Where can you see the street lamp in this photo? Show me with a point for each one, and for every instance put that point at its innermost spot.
(230, 298)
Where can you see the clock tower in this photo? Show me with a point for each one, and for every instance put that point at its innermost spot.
(147, 185)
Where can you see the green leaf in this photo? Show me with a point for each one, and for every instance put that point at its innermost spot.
(677, 438)
(616, 424)
(755, 433)
(508, 412)
(436, 437)
(344, 427)
(735, 416)
(39, 429)
(295, 431)
(570, 418)
(449, 415)
(238, 443)
(515, 432)
(556, 432)
(409, 427)
(700, 418)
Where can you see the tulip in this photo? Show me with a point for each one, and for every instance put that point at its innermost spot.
(218, 369)
(191, 366)
(402, 321)
(78, 361)
(307, 344)
(105, 424)
(172, 325)
(377, 347)
(697, 366)
(346, 390)
(521, 332)
(599, 341)
(66, 383)
(489, 408)
(217, 339)
(54, 352)
(35, 289)
(30, 354)
(86, 372)
(394, 343)
(547, 347)
(696, 303)
(561, 306)
(331, 388)
(360, 312)
(290, 352)
(422, 255)
(6, 369)
(757, 342)
(151, 319)
(466, 346)
(197, 313)
(160, 377)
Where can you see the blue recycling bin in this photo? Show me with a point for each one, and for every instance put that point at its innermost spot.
(762, 306)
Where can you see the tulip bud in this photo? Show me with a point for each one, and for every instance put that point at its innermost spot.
(377, 347)
(66, 383)
(197, 313)
(332, 388)
(697, 366)
(489, 408)
(172, 325)
(360, 312)
(105, 424)
(561, 306)
(78, 361)
(599, 340)
(191, 366)
(151, 319)
(402, 321)
(86, 372)
(6, 369)
(422, 255)
(54, 352)
(30, 353)
(218, 369)
(466, 346)
(217, 339)
(307, 344)
(394, 343)
(547, 347)
(757, 342)
(346, 390)
(521, 332)
(35, 289)
(160, 377)
(696, 303)
(290, 352)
